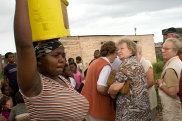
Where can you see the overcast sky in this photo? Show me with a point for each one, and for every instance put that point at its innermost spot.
(105, 17)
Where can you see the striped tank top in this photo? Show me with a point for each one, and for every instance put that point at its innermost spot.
(57, 102)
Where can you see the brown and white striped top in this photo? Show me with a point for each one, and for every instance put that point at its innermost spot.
(57, 102)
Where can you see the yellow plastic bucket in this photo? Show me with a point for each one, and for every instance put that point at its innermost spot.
(48, 19)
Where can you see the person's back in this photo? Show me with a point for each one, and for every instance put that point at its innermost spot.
(148, 69)
(101, 106)
(95, 88)
(180, 86)
(180, 89)
(179, 37)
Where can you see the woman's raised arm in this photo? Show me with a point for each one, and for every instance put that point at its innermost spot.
(28, 78)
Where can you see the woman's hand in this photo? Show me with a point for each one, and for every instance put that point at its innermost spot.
(114, 89)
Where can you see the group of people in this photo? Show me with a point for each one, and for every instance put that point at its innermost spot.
(12, 105)
(74, 73)
(9, 72)
(140, 102)
(135, 104)
(52, 89)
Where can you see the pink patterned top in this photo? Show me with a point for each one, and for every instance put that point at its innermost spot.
(78, 79)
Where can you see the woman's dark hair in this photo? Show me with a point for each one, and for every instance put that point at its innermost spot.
(19, 98)
(107, 48)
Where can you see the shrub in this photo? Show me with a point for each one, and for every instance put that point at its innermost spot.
(157, 67)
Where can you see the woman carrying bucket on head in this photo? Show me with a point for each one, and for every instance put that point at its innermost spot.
(47, 95)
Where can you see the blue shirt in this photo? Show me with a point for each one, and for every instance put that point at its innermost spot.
(11, 72)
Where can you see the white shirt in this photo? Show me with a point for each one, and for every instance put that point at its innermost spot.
(116, 64)
(146, 64)
(104, 74)
(80, 66)
(73, 83)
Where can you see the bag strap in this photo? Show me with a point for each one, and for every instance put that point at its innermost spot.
(125, 74)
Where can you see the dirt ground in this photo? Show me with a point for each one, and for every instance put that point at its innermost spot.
(158, 115)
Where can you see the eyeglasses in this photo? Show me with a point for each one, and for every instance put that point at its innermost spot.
(165, 48)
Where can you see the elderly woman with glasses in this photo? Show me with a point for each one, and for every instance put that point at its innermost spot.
(169, 82)
(133, 106)
(47, 94)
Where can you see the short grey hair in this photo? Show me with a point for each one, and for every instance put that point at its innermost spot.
(176, 42)
(130, 44)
